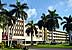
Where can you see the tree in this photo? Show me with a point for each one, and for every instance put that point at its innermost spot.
(7, 20)
(43, 23)
(19, 11)
(53, 21)
(67, 25)
(31, 30)
(2, 20)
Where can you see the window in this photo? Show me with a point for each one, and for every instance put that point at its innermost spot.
(20, 27)
(28, 42)
(40, 32)
(36, 35)
(34, 42)
(40, 36)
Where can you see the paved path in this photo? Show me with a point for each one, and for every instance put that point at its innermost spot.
(50, 49)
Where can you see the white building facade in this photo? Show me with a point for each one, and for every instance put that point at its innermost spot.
(19, 34)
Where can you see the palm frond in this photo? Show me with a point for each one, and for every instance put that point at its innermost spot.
(24, 14)
(70, 16)
(12, 5)
(59, 18)
(66, 18)
(63, 22)
(54, 10)
(40, 24)
(24, 5)
(28, 24)
(65, 26)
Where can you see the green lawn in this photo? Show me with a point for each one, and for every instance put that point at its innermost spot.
(45, 46)
(9, 49)
(52, 46)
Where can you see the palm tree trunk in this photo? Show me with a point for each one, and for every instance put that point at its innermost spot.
(24, 25)
(11, 39)
(69, 39)
(11, 35)
(52, 35)
(7, 33)
(44, 34)
(32, 38)
(66, 38)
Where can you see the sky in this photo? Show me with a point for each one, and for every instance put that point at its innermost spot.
(37, 7)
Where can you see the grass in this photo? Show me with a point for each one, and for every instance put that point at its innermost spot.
(9, 49)
(44, 46)
(52, 46)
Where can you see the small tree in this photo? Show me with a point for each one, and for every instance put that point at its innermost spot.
(43, 23)
(31, 30)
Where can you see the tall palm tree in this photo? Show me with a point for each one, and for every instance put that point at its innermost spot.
(7, 20)
(31, 30)
(1, 18)
(2, 23)
(19, 11)
(43, 23)
(67, 25)
(53, 21)
(4, 18)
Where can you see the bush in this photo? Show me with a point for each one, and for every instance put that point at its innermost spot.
(18, 46)
(2, 44)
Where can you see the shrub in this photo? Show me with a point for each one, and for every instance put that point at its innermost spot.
(2, 44)
(18, 46)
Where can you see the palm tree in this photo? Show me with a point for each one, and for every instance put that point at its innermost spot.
(67, 25)
(53, 21)
(1, 18)
(7, 19)
(19, 11)
(2, 23)
(31, 30)
(43, 23)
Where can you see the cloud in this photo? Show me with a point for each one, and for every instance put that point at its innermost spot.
(32, 12)
(51, 8)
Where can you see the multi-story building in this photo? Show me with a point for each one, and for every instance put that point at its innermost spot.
(19, 34)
